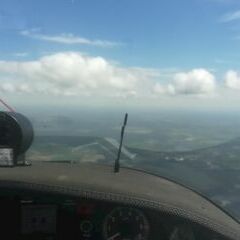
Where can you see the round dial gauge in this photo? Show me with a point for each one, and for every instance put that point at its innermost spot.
(125, 223)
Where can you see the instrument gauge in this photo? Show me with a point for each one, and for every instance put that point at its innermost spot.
(126, 223)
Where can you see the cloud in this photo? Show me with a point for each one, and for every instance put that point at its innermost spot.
(229, 17)
(12, 88)
(20, 54)
(197, 81)
(163, 90)
(74, 74)
(67, 38)
(7, 87)
(232, 80)
(194, 82)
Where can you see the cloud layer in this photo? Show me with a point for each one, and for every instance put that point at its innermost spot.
(229, 17)
(75, 74)
(67, 39)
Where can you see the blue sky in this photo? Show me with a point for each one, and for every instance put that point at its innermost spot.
(184, 34)
(172, 37)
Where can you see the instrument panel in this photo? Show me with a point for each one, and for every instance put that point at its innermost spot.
(55, 217)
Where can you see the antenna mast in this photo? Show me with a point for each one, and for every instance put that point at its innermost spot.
(117, 163)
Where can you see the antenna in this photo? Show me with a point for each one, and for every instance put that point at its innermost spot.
(117, 163)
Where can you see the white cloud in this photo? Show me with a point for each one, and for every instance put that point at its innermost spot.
(24, 88)
(68, 38)
(194, 82)
(197, 81)
(7, 87)
(161, 89)
(229, 17)
(232, 80)
(74, 74)
(20, 54)
(82, 79)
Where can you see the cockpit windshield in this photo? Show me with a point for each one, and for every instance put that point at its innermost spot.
(75, 67)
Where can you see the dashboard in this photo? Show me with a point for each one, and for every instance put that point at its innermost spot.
(50, 217)
(58, 201)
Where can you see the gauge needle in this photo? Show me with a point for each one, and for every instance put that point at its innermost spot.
(114, 236)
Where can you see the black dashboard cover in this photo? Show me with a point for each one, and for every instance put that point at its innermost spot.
(130, 186)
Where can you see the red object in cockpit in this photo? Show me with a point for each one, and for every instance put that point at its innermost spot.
(85, 209)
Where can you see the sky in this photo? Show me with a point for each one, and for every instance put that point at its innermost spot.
(150, 53)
